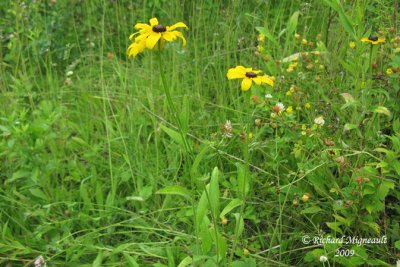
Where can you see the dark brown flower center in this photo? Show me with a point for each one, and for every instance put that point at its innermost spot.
(251, 74)
(159, 28)
(373, 38)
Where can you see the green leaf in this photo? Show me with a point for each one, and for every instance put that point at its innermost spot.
(384, 188)
(99, 259)
(185, 262)
(214, 193)
(176, 190)
(267, 34)
(194, 170)
(239, 224)
(242, 180)
(349, 126)
(174, 135)
(397, 244)
(201, 210)
(130, 260)
(382, 110)
(292, 24)
(231, 205)
(335, 226)
(311, 210)
(344, 19)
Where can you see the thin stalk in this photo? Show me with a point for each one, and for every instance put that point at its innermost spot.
(171, 106)
(188, 149)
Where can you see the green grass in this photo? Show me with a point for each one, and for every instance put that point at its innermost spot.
(92, 167)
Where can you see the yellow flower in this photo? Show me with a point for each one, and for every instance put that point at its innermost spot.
(289, 110)
(249, 76)
(373, 39)
(305, 197)
(150, 35)
(304, 42)
(261, 38)
(288, 93)
(389, 71)
(307, 105)
(352, 45)
(260, 48)
(250, 135)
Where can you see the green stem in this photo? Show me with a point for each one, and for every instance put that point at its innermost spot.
(188, 149)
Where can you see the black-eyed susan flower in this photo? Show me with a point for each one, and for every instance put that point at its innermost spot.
(249, 76)
(373, 39)
(150, 35)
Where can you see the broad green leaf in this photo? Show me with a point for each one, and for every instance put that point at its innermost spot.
(335, 226)
(292, 24)
(130, 260)
(213, 193)
(311, 210)
(384, 188)
(194, 170)
(202, 209)
(174, 135)
(349, 126)
(243, 181)
(231, 205)
(99, 259)
(185, 262)
(239, 224)
(175, 190)
(382, 110)
(221, 246)
(397, 244)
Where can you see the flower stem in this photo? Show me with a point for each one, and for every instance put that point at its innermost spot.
(188, 149)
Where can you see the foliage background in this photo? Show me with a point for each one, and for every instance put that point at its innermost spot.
(84, 155)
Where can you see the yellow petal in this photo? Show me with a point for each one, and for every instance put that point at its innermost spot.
(132, 35)
(257, 80)
(235, 73)
(246, 84)
(177, 25)
(142, 26)
(265, 79)
(365, 40)
(180, 35)
(153, 22)
(141, 37)
(169, 36)
(135, 48)
(257, 71)
(152, 40)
